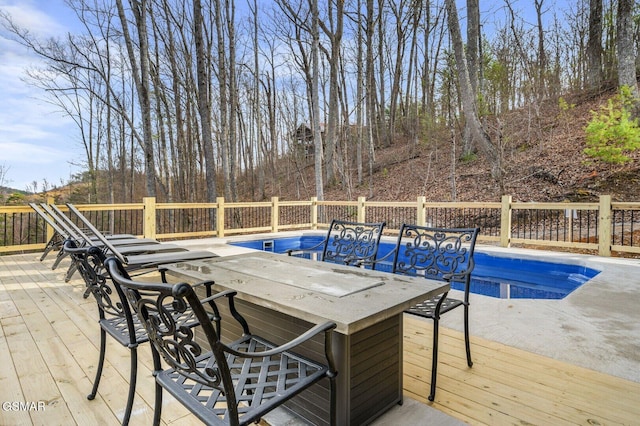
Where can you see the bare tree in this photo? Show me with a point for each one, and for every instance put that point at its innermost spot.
(402, 18)
(543, 62)
(625, 47)
(473, 43)
(4, 170)
(315, 97)
(334, 32)
(360, 89)
(233, 118)
(468, 101)
(473, 63)
(594, 45)
(204, 106)
(139, 62)
(306, 22)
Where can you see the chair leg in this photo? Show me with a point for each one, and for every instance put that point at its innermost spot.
(50, 247)
(96, 381)
(61, 255)
(434, 360)
(132, 385)
(466, 335)
(72, 270)
(157, 410)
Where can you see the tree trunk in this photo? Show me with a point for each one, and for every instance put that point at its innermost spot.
(468, 100)
(334, 33)
(594, 45)
(204, 106)
(473, 43)
(233, 103)
(542, 54)
(372, 116)
(625, 47)
(359, 93)
(315, 101)
(141, 76)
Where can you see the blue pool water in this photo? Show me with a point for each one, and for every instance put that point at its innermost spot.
(494, 276)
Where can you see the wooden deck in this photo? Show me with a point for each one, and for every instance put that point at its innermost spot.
(48, 355)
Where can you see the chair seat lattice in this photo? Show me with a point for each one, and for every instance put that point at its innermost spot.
(259, 382)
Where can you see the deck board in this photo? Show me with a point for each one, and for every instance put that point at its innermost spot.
(506, 381)
(49, 350)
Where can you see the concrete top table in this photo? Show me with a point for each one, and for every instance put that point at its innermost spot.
(354, 298)
(282, 296)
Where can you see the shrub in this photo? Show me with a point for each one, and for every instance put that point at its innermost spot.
(612, 133)
(469, 157)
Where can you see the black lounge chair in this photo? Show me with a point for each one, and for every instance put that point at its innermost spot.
(234, 384)
(351, 243)
(125, 246)
(115, 317)
(441, 254)
(90, 236)
(64, 228)
(59, 235)
(141, 261)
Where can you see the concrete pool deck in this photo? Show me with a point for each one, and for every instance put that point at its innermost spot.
(597, 326)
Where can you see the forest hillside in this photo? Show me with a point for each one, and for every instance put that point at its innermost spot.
(543, 161)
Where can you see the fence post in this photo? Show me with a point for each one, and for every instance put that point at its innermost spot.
(314, 213)
(149, 217)
(220, 217)
(604, 220)
(48, 229)
(505, 221)
(421, 217)
(275, 214)
(361, 214)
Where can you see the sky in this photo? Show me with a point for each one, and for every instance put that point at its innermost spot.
(36, 139)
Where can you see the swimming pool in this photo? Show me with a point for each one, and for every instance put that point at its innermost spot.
(495, 276)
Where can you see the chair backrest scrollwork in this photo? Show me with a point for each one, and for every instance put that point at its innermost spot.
(436, 253)
(352, 242)
(156, 306)
(88, 261)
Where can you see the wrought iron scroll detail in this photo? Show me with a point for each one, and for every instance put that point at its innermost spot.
(352, 242)
(434, 255)
(174, 342)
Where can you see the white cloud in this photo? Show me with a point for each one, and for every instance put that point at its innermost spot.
(37, 141)
(34, 16)
(31, 154)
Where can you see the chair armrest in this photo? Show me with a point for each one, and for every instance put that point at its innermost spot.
(455, 276)
(217, 318)
(326, 328)
(207, 283)
(227, 293)
(381, 260)
(460, 276)
(307, 250)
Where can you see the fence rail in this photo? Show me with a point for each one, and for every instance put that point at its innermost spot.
(602, 227)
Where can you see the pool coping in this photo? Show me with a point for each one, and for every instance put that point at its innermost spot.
(596, 326)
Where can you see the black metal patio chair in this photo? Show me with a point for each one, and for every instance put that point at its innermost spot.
(220, 383)
(115, 317)
(441, 254)
(351, 243)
